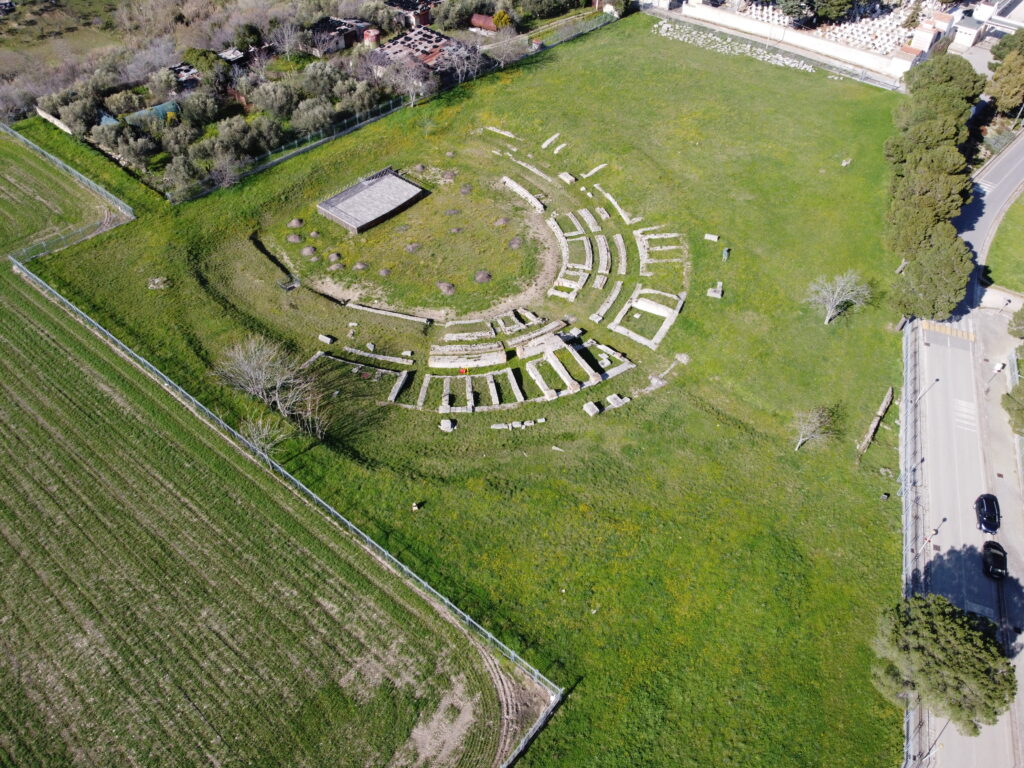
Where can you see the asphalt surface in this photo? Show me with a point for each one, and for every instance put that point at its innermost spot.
(996, 186)
(968, 449)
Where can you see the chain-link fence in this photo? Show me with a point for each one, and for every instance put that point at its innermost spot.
(120, 205)
(916, 720)
(555, 693)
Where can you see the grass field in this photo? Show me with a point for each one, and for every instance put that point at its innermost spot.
(39, 201)
(1006, 257)
(707, 594)
(161, 615)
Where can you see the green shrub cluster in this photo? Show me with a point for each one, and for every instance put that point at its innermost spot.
(930, 185)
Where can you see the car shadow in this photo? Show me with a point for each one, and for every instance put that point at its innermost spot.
(957, 574)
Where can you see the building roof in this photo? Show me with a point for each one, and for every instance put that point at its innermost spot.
(969, 22)
(160, 112)
(371, 199)
(410, 6)
(483, 21)
(420, 43)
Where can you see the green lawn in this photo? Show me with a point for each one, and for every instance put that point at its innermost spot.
(38, 201)
(707, 594)
(167, 602)
(1006, 256)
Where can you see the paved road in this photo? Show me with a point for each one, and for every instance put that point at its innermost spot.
(995, 187)
(968, 449)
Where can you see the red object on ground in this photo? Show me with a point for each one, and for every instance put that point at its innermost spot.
(463, 370)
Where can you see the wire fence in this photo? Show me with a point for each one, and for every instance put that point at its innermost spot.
(555, 693)
(916, 720)
(122, 206)
(303, 144)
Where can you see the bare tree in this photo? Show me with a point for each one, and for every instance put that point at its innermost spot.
(257, 367)
(285, 37)
(410, 77)
(815, 424)
(264, 432)
(840, 294)
(508, 47)
(463, 61)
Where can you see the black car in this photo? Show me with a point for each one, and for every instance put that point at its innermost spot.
(986, 507)
(993, 556)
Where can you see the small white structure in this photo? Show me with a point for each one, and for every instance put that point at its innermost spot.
(591, 409)
(326, 339)
(968, 31)
(447, 425)
(712, 238)
(716, 292)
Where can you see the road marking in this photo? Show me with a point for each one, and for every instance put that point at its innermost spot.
(965, 414)
(947, 329)
(988, 186)
(983, 610)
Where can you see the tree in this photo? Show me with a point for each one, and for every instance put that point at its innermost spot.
(832, 10)
(1013, 404)
(502, 19)
(276, 98)
(312, 115)
(795, 9)
(248, 36)
(463, 61)
(933, 188)
(285, 37)
(930, 652)
(319, 78)
(264, 432)
(815, 424)
(933, 284)
(1008, 45)
(1016, 325)
(180, 175)
(953, 73)
(838, 295)
(160, 84)
(1007, 84)
(258, 367)
(201, 107)
(508, 47)
(123, 102)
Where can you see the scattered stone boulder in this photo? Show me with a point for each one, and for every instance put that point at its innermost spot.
(401, 228)
(447, 425)
(314, 258)
(384, 272)
(359, 266)
(501, 222)
(309, 250)
(515, 243)
(419, 168)
(334, 257)
(158, 283)
(449, 175)
(482, 276)
(314, 234)
(452, 212)
(449, 153)
(335, 267)
(455, 230)
(466, 189)
(294, 223)
(412, 247)
(294, 238)
(446, 288)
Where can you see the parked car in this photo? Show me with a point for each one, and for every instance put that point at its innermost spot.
(993, 557)
(986, 507)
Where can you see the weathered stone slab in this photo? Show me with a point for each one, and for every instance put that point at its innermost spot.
(524, 193)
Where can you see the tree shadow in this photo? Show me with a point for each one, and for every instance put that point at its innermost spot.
(957, 574)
